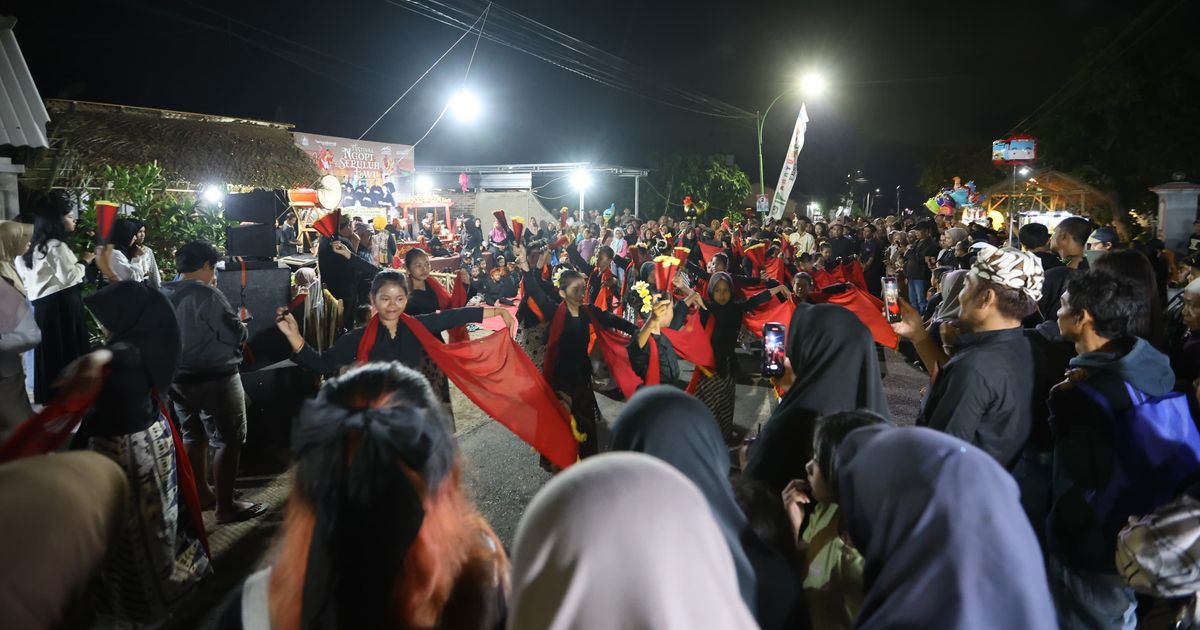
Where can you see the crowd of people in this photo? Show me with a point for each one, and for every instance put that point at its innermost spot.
(1050, 480)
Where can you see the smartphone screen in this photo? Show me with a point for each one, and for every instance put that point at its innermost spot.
(891, 298)
(773, 349)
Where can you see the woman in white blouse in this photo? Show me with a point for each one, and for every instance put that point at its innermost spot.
(122, 253)
(53, 279)
(145, 260)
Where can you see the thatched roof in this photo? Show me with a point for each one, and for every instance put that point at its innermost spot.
(193, 149)
(1048, 189)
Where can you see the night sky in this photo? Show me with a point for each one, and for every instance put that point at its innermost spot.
(906, 77)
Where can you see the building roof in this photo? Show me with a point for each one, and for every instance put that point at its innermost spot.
(193, 150)
(1053, 190)
(22, 116)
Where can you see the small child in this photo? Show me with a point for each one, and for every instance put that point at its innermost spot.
(833, 568)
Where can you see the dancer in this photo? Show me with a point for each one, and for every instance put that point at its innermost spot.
(426, 296)
(722, 321)
(158, 556)
(567, 365)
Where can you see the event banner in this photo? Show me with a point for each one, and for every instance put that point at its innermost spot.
(373, 174)
(787, 177)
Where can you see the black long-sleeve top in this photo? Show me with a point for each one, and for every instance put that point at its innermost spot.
(125, 403)
(572, 366)
(404, 347)
(728, 326)
(668, 359)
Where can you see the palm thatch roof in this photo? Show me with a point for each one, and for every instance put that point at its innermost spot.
(1050, 190)
(193, 149)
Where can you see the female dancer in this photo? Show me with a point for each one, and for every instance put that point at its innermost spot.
(53, 279)
(158, 556)
(426, 296)
(568, 367)
(722, 320)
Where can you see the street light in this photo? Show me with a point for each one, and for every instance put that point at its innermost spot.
(424, 184)
(1025, 171)
(213, 194)
(581, 180)
(465, 105)
(811, 84)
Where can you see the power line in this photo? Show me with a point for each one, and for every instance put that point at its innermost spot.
(426, 73)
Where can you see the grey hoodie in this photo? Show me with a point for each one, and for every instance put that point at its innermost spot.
(212, 334)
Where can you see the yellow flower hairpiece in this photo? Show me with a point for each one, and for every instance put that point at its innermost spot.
(558, 276)
(643, 291)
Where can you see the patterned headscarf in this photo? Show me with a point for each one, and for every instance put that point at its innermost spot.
(1010, 268)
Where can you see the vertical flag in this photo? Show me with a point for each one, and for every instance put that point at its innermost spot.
(787, 176)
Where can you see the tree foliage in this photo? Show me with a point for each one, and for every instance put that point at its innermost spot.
(171, 219)
(708, 179)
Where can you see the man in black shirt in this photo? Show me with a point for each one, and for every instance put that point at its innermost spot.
(287, 237)
(916, 264)
(842, 247)
(1035, 238)
(1069, 240)
(871, 255)
(982, 393)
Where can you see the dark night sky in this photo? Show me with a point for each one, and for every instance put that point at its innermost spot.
(907, 76)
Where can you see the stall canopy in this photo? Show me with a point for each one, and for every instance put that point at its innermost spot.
(1047, 191)
(194, 150)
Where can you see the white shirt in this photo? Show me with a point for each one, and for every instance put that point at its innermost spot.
(806, 243)
(52, 272)
(24, 335)
(124, 269)
(149, 268)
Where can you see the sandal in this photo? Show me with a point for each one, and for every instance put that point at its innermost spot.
(252, 511)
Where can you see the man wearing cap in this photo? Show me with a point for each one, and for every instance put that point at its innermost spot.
(983, 392)
(1104, 239)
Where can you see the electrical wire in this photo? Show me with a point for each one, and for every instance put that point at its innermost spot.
(426, 73)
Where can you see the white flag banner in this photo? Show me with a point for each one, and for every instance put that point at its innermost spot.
(787, 177)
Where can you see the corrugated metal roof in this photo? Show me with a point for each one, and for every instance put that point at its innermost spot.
(23, 117)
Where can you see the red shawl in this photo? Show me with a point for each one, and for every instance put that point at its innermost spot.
(612, 344)
(502, 381)
(447, 301)
(772, 311)
(693, 343)
(854, 275)
(869, 311)
(604, 297)
(778, 271)
(47, 431)
(708, 251)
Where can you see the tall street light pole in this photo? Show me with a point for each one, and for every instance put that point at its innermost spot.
(811, 84)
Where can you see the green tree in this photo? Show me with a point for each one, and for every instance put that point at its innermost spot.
(171, 219)
(708, 179)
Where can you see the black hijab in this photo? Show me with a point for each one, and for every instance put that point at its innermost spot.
(142, 318)
(666, 423)
(123, 231)
(944, 539)
(836, 369)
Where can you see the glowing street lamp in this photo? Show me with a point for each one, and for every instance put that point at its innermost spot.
(581, 180)
(466, 106)
(1025, 171)
(811, 84)
(213, 194)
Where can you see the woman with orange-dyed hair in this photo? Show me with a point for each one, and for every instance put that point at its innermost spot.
(378, 533)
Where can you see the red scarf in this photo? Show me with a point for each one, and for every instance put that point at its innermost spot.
(503, 382)
(778, 271)
(869, 311)
(612, 348)
(772, 311)
(604, 295)
(708, 251)
(447, 301)
(694, 343)
(698, 374)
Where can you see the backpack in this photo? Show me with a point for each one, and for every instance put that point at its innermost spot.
(1156, 448)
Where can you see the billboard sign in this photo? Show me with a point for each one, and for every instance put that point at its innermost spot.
(372, 174)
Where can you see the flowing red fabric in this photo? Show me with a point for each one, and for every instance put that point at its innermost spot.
(699, 374)
(758, 256)
(822, 279)
(772, 311)
(604, 298)
(612, 348)
(370, 332)
(692, 343)
(448, 301)
(854, 275)
(502, 381)
(868, 312)
(45, 432)
(327, 225)
(777, 270)
(708, 251)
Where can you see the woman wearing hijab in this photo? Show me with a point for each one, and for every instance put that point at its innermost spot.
(19, 333)
(722, 320)
(14, 241)
(159, 553)
(838, 371)
(676, 428)
(577, 565)
(944, 540)
(53, 279)
(950, 238)
(472, 241)
(116, 259)
(379, 532)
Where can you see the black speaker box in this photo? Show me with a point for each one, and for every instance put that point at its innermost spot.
(250, 241)
(259, 206)
(266, 290)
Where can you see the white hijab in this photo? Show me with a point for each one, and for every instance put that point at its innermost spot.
(623, 541)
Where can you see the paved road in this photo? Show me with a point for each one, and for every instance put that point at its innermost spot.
(503, 475)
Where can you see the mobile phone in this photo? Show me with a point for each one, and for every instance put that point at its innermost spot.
(891, 298)
(773, 348)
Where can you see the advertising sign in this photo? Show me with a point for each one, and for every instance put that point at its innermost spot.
(372, 174)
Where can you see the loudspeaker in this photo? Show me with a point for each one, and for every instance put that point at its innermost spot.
(250, 241)
(266, 290)
(259, 206)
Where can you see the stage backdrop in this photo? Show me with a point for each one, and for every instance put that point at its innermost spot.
(373, 174)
